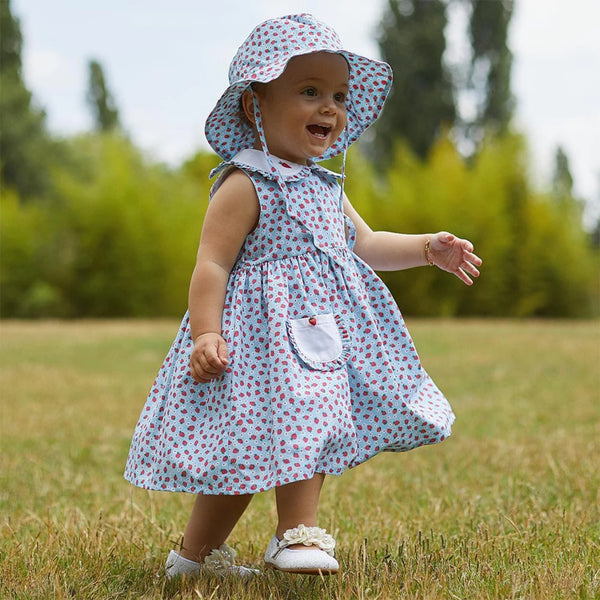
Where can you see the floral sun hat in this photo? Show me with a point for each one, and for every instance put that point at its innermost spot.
(263, 57)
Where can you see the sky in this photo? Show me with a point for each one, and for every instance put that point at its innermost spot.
(166, 64)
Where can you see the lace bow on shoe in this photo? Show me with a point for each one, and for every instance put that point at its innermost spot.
(220, 560)
(308, 536)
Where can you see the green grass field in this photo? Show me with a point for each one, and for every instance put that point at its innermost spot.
(508, 507)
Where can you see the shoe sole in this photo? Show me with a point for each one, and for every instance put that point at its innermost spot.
(303, 571)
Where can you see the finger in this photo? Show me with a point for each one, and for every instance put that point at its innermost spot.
(470, 269)
(441, 240)
(197, 373)
(201, 376)
(463, 276)
(201, 371)
(213, 362)
(223, 352)
(201, 366)
(208, 370)
(467, 245)
(194, 364)
(473, 258)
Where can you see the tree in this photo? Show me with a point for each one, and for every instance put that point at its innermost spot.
(11, 41)
(24, 142)
(412, 41)
(595, 229)
(490, 69)
(570, 207)
(562, 180)
(100, 100)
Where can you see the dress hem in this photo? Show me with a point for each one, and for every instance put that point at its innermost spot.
(230, 492)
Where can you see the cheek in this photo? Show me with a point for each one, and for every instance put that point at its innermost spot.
(342, 121)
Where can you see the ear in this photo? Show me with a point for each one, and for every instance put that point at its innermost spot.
(248, 105)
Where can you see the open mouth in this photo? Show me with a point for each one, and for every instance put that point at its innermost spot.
(321, 131)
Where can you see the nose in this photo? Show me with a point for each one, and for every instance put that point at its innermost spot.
(328, 106)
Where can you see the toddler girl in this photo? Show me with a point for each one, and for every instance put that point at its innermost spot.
(293, 360)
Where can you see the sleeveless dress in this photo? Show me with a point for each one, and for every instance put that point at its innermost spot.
(322, 371)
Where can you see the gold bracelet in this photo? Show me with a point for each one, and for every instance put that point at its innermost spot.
(428, 252)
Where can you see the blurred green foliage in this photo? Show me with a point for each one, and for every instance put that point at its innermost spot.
(90, 227)
(118, 238)
(538, 260)
(118, 233)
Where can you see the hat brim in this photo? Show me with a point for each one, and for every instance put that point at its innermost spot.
(369, 84)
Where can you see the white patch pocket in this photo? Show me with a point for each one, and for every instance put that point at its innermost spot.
(321, 341)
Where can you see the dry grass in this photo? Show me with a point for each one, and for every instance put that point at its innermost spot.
(506, 508)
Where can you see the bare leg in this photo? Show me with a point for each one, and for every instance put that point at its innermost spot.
(212, 520)
(297, 503)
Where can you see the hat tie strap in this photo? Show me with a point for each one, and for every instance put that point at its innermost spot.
(263, 142)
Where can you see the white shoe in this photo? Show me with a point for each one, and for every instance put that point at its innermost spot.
(218, 562)
(311, 562)
(177, 565)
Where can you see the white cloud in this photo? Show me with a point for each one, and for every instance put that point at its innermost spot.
(56, 77)
(557, 84)
(551, 29)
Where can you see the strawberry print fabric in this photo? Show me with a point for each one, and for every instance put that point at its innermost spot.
(290, 405)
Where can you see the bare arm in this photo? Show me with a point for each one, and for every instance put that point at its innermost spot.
(387, 251)
(232, 213)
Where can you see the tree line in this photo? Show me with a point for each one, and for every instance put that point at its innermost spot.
(90, 227)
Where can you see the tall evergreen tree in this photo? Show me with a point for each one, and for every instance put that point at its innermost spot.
(562, 189)
(595, 233)
(11, 40)
(491, 64)
(562, 180)
(100, 100)
(24, 142)
(412, 41)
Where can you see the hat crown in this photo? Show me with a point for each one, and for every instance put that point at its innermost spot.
(274, 42)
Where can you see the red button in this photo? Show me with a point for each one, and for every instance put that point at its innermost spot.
(312, 320)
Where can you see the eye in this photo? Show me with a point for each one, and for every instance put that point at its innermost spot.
(310, 92)
(340, 97)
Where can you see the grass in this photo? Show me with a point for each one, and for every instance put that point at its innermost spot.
(508, 507)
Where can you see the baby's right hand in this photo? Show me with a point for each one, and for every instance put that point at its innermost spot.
(209, 357)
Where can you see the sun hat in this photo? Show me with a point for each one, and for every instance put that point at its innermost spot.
(264, 56)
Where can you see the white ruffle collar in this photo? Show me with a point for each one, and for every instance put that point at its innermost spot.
(288, 170)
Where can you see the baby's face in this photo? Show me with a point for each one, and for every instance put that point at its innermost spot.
(304, 110)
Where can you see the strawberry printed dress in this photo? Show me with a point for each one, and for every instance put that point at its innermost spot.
(322, 371)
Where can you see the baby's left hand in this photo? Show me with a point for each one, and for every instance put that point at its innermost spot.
(454, 255)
